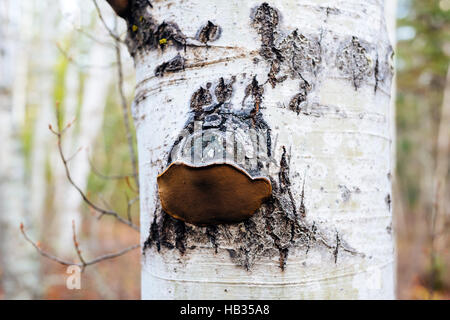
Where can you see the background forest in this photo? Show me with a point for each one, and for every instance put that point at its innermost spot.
(72, 74)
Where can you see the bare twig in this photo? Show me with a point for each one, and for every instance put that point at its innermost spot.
(100, 42)
(102, 211)
(440, 177)
(107, 177)
(79, 65)
(129, 205)
(44, 253)
(76, 244)
(111, 33)
(82, 264)
(123, 100)
(126, 117)
(74, 154)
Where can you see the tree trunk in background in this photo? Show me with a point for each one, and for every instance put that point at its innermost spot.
(317, 77)
(64, 207)
(42, 98)
(83, 134)
(19, 265)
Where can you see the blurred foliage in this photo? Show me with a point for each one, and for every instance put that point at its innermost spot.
(112, 158)
(423, 51)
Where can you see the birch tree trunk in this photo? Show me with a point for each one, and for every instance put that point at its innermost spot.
(19, 266)
(312, 79)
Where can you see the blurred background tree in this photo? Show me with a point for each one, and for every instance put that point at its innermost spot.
(423, 50)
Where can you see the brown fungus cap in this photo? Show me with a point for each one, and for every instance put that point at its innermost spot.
(211, 194)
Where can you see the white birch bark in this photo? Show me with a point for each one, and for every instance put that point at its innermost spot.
(19, 267)
(319, 75)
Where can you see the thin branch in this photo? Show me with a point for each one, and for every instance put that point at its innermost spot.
(76, 245)
(107, 177)
(74, 154)
(44, 253)
(88, 35)
(85, 198)
(129, 205)
(112, 255)
(79, 65)
(440, 176)
(111, 33)
(83, 264)
(125, 114)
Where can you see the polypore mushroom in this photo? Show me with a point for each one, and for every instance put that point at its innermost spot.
(211, 194)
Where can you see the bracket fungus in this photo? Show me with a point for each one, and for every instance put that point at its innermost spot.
(218, 166)
(211, 194)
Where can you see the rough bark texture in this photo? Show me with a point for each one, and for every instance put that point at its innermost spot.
(316, 80)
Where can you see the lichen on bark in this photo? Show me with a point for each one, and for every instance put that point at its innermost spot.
(145, 33)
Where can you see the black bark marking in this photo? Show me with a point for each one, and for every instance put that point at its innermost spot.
(272, 75)
(265, 21)
(330, 10)
(302, 208)
(200, 98)
(295, 55)
(345, 193)
(299, 100)
(383, 70)
(171, 33)
(208, 33)
(302, 54)
(224, 90)
(175, 64)
(387, 200)
(336, 250)
(389, 229)
(211, 232)
(180, 236)
(376, 74)
(284, 180)
(145, 33)
(256, 91)
(354, 61)
(154, 237)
